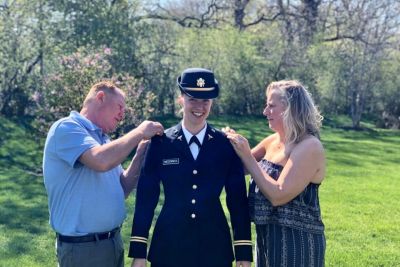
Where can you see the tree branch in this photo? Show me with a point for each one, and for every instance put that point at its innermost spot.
(262, 18)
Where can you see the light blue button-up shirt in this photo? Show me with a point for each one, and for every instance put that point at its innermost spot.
(81, 200)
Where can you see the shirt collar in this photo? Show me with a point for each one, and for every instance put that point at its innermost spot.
(199, 136)
(84, 121)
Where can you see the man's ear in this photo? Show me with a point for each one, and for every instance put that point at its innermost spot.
(100, 96)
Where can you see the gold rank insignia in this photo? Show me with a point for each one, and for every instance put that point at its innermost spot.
(201, 82)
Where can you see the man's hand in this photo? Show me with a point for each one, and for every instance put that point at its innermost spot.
(141, 149)
(140, 263)
(243, 264)
(150, 128)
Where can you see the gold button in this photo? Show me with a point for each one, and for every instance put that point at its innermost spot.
(193, 215)
(194, 171)
(193, 201)
(194, 186)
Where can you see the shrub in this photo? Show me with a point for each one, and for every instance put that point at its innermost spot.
(66, 89)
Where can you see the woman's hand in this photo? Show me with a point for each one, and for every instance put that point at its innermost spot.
(240, 144)
(227, 130)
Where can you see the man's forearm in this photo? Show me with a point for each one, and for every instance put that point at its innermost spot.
(108, 156)
(130, 177)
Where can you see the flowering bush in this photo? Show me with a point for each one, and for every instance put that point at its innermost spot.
(66, 90)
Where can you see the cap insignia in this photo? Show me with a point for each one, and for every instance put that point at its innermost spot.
(201, 82)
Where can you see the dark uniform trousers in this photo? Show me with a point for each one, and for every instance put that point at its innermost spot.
(191, 229)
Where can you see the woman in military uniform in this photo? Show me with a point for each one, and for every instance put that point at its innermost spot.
(194, 162)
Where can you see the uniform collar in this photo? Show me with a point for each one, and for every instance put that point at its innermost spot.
(199, 136)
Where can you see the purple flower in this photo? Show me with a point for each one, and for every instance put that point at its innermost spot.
(36, 96)
(107, 51)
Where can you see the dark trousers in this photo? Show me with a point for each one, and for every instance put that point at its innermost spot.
(101, 253)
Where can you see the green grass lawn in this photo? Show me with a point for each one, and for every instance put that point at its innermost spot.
(360, 196)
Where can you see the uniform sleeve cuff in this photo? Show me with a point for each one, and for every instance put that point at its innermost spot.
(138, 247)
(243, 250)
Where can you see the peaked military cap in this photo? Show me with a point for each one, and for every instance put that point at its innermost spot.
(198, 83)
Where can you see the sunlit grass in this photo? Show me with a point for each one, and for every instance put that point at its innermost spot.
(359, 197)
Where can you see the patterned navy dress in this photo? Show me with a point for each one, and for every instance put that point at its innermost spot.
(291, 234)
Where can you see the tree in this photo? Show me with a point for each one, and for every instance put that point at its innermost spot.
(66, 89)
(22, 45)
(365, 29)
(387, 102)
(159, 55)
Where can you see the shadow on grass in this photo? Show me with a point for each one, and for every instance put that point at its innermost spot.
(24, 203)
(18, 245)
(23, 199)
(353, 148)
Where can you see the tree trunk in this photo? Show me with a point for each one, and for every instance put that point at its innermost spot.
(357, 108)
(239, 13)
(310, 13)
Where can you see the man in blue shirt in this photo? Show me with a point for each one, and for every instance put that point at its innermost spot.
(85, 181)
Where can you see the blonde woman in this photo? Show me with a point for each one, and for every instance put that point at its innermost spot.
(287, 168)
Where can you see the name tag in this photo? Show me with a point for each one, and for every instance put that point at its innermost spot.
(170, 161)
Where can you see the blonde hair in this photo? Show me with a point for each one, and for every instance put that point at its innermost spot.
(107, 87)
(301, 116)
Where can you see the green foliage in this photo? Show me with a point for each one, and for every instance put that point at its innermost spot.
(359, 196)
(19, 53)
(159, 56)
(388, 99)
(332, 97)
(234, 57)
(67, 90)
(349, 65)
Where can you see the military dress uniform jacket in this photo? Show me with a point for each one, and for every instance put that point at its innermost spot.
(191, 229)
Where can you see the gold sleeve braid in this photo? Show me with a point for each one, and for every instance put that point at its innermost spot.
(138, 239)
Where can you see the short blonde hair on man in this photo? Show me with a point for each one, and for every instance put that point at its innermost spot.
(107, 87)
(301, 116)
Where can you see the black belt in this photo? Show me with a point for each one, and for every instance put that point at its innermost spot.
(88, 238)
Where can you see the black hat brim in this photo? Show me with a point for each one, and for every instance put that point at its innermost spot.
(199, 93)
